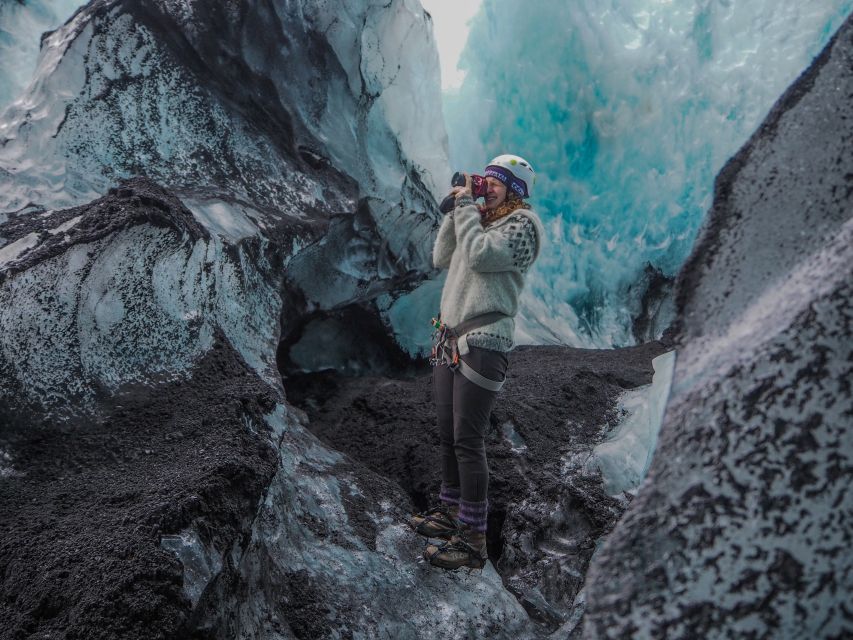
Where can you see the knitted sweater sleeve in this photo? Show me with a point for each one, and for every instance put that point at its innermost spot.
(508, 247)
(445, 243)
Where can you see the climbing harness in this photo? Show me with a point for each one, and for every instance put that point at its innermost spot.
(445, 348)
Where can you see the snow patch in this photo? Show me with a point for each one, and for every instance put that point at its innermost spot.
(66, 226)
(14, 250)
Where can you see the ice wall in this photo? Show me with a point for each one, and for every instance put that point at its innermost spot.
(740, 528)
(220, 113)
(624, 458)
(281, 124)
(627, 110)
(314, 126)
(22, 23)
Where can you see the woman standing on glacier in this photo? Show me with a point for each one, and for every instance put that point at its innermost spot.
(487, 250)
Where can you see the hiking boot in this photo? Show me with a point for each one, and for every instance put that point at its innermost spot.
(438, 522)
(467, 549)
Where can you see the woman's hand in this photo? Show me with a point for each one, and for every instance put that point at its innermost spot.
(466, 190)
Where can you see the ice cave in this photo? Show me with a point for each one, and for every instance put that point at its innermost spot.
(219, 230)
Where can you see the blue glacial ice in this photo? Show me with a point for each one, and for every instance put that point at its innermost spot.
(627, 110)
(69, 135)
(743, 520)
(200, 563)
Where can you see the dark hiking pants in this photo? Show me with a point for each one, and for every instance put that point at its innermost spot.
(463, 410)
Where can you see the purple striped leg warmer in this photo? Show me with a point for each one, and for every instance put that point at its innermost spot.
(449, 495)
(474, 514)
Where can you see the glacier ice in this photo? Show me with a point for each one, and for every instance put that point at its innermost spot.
(334, 170)
(369, 582)
(411, 313)
(742, 517)
(201, 564)
(625, 456)
(260, 168)
(237, 140)
(101, 302)
(13, 250)
(627, 110)
(321, 160)
(21, 27)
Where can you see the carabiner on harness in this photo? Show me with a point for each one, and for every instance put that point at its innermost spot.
(445, 351)
(444, 348)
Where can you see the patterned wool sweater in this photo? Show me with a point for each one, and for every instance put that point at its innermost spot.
(486, 270)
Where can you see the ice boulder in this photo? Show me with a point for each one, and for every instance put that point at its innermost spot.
(742, 527)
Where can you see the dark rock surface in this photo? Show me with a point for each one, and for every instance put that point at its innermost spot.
(85, 509)
(547, 511)
(742, 527)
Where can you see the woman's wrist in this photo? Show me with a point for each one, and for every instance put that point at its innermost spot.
(464, 198)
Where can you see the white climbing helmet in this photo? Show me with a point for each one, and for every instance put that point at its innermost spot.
(515, 172)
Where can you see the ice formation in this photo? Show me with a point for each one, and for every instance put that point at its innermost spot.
(627, 110)
(224, 135)
(625, 457)
(200, 564)
(286, 144)
(289, 181)
(22, 24)
(740, 528)
(371, 581)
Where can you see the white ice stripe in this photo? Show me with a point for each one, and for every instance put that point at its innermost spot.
(65, 226)
(12, 251)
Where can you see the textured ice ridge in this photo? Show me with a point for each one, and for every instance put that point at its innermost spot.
(256, 128)
(132, 290)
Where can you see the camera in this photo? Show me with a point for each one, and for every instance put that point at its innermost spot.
(478, 190)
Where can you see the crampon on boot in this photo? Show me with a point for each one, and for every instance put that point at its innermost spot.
(467, 549)
(438, 522)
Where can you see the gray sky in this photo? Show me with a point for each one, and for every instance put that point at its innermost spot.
(450, 19)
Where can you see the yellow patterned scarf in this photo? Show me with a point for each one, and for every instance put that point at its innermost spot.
(504, 209)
